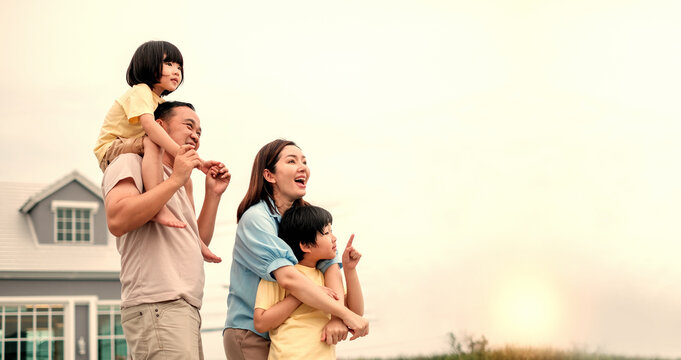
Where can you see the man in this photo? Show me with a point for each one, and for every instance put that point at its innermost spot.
(162, 267)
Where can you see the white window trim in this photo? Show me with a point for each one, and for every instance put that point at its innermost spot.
(95, 312)
(93, 206)
(69, 318)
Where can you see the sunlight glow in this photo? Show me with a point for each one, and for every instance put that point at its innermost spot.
(528, 310)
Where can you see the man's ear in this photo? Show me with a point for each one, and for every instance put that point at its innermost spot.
(269, 177)
(162, 123)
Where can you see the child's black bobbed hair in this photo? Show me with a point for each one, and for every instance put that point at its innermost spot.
(147, 63)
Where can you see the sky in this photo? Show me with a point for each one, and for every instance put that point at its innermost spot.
(509, 168)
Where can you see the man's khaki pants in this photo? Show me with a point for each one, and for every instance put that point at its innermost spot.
(165, 330)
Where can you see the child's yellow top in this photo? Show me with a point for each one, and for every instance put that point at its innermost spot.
(299, 336)
(122, 120)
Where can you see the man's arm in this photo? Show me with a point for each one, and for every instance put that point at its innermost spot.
(215, 187)
(127, 209)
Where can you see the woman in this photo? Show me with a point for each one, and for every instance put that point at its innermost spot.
(278, 181)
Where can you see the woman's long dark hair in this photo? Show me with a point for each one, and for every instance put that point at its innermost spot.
(258, 188)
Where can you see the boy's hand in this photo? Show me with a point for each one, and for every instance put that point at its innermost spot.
(334, 332)
(350, 255)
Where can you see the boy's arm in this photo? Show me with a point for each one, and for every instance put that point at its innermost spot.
(354, 299)
(159, 136)
(266, 320)
(335, 330)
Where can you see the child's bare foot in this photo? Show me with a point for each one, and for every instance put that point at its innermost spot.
(165, 217)
(208, 255)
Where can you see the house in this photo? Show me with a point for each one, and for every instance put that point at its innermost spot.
(59, 268)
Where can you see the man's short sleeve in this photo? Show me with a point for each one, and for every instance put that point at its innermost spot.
(257, 246)
(123, 167)
(269, 293)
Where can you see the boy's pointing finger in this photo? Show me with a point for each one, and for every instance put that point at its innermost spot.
(352, 237)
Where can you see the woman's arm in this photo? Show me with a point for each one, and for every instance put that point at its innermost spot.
(313, 295)
(266, 320)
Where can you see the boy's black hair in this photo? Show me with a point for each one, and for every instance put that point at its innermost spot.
(146, 65)
(166, 109)
(300, 225)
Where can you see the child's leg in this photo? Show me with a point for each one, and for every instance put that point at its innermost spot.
(152, 175)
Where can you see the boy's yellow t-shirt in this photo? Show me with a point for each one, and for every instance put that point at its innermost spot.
(122, 120)
(298, 337)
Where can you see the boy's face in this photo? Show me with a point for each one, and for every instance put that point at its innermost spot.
(326, 245)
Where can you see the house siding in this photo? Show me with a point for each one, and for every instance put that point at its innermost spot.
(103, 289)
(43, 217)
(82, 330)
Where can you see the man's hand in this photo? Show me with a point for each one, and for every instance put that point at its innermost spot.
(217, 177)
(350, 255)
(334, 332)
(185, 161)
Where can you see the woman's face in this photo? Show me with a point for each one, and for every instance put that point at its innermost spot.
(291, 174)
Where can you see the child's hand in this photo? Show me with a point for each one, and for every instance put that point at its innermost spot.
(213, 168)
(350, 255)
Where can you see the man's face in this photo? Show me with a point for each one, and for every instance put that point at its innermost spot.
(183, 126)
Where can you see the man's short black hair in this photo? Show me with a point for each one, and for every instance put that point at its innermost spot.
(300, 225)
(165, 110)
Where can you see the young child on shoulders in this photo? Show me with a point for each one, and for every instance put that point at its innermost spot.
(155, 70)
(295, 328)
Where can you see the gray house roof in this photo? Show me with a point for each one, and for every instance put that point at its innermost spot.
(49, 190)
(23, 257)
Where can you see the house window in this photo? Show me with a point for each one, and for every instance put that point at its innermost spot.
(32, 331)
(110, 339)
(73, 221)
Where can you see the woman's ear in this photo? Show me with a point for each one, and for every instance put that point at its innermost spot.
(269, 177)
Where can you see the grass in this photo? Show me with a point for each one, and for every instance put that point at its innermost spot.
(478, 349)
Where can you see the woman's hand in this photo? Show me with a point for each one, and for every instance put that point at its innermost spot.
(330, 292)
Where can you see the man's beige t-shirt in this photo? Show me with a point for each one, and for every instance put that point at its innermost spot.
(158, 263)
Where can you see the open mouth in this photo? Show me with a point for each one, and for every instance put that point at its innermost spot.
(300, 181)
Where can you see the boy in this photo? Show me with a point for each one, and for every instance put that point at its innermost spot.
(295, 328)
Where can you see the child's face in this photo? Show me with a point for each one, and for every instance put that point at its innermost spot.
(326, 244)
(171, 76)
